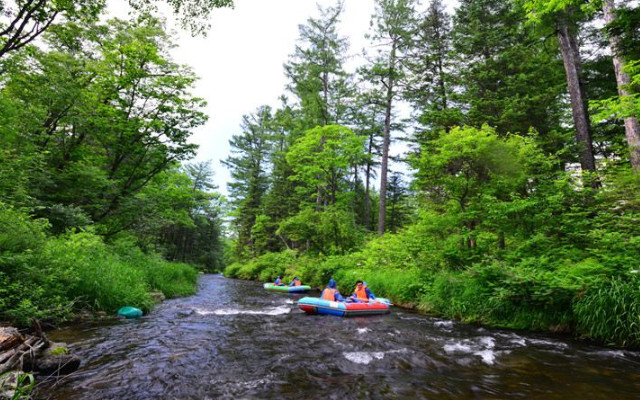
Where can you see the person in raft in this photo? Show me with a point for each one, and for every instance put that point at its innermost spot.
(331, 292)
(362, 294)
(369, 292)
(278, 281)
(295, 282)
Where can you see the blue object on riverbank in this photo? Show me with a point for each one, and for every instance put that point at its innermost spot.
(130, 312)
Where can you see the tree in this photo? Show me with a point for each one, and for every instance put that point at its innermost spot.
(429, 66)
(392, 25)
(196, 239)
(507, 76)
(398, 203)
(469, 172)
(368, 121)
(631, 125)
(110, 116)
(315, 70)
(22, 21)
(321, 161)
(564, 16)
(248, 171)
(281, 200)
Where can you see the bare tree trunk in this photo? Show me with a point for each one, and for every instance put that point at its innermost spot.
(382, 205)
(572, 66)
(631, 125)
(367, 195)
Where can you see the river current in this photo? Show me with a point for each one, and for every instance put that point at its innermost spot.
(234, 340)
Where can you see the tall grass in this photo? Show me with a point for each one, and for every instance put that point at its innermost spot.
(49, 278)
(610, 312)
(16, 384)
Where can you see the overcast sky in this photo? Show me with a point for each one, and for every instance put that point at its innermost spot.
(240, 62)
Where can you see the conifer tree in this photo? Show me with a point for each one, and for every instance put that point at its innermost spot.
(248, 166)
(315, 70)
(392, 25)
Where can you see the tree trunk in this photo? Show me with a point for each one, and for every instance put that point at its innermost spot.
(572, 66)
(631, 125)
(382, 205)
(367, 195)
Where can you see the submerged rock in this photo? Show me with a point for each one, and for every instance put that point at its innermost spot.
(58, 364)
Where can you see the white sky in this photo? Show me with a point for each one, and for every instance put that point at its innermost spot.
(240, 62)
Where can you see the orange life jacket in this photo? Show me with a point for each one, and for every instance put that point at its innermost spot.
(361, 293)
(329, 294)
(297, 283)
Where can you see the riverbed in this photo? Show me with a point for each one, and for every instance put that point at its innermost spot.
(234, 340)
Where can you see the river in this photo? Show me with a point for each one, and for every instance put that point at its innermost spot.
(233, 340)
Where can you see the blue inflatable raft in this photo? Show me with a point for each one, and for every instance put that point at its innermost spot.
(314, 305)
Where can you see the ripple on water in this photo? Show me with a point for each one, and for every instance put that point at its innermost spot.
(363, 357)
(236, 311)
(483, 347)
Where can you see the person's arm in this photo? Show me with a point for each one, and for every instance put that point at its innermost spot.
(370, 294)
(339, 296)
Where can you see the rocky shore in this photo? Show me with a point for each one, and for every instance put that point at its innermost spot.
(30, 353)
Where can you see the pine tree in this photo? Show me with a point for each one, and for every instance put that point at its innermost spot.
(248, 171)
(316, 71)
(392, 24)
(429, 66)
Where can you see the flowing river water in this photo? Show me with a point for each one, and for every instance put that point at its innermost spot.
(233, 340)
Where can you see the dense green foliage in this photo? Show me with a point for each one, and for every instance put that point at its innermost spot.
(96, 210)
(498, 225)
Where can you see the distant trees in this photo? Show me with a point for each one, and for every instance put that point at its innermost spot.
(96, 124)
(491, 133)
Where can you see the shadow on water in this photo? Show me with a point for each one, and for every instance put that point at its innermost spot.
(234, 340)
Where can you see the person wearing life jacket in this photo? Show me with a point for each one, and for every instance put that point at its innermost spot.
(331, 292)
(369, 292)
(295, 282)
(362, 294)
(278, 281)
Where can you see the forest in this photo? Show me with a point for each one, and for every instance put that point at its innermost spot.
(514, 201)
(99, 206)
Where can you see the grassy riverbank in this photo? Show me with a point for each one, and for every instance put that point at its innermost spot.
(496, 295)
(577, 272)
(49, 278)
